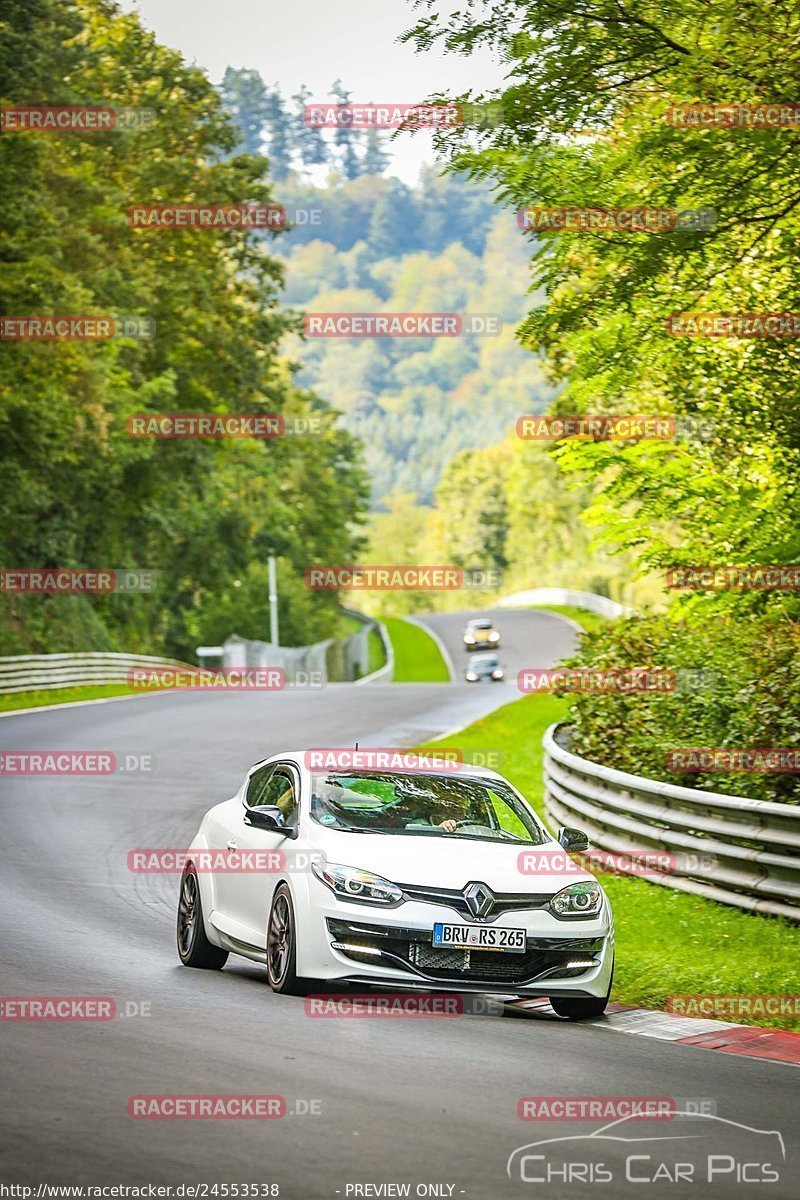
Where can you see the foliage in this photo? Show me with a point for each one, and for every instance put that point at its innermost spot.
(584, 124)
(417, 402)
(416, 656)
(667, 943)
(77, 489)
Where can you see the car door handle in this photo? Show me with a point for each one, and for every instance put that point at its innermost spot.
(232, 845)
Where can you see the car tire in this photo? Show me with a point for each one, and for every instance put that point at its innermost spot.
(282, 946)
(582, 1008)
(194, 948)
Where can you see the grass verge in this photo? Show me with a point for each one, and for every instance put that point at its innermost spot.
(417, 658)
(586, 619)
(376, 656)
(11, 701)
(667, 943)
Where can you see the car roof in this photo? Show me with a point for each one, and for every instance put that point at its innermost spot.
(481, 622)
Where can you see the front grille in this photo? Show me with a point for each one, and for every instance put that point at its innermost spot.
(489, 965)
(504, 902)
(411, 949)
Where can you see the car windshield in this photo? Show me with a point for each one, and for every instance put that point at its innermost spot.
(424, 805)
(484, 660)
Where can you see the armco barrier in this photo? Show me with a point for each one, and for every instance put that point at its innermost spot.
(553, 595)
(335, 660)
(32, 672)
(736, 850)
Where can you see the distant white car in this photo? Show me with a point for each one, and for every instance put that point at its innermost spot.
(484, 666)
(480, 634)
(404, 877)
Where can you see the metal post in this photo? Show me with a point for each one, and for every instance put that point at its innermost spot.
(273, 602)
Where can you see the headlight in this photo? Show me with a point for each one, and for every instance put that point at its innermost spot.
(497, 674)
(578, 900)
(469, 639)
(351, 884)
(471, 676)
(494, 637)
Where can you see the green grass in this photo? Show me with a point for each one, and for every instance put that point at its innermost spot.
(667, 942)
(376, 656)
(14, 700)
(417, 658)
(586, 619)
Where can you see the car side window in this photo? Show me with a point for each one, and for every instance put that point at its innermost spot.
(280, 791)
(256, 788)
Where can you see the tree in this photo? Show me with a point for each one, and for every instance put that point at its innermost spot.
(345, 138)
(78, 490)
(599, 113)
(279, 135)
(245, 96)
(376, 158)
(311, 146)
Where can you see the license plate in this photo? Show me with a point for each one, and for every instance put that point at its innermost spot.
(479, 937)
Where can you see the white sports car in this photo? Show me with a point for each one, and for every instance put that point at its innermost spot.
(435, 876)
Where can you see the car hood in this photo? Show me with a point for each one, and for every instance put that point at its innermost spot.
(444, 862)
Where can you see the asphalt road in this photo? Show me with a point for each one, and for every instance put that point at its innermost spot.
(401, 1101)
(528, 638)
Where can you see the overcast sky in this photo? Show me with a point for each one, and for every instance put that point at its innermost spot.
(315, 42)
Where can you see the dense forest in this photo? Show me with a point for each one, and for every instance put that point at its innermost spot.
(365, 242)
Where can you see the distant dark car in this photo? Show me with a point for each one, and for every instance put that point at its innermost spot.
(484, 666)
(480, 634)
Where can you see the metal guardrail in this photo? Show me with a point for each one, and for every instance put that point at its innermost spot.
(732, 849)
(343, 659)
(552, 595)
(385, 673)
(33, 672)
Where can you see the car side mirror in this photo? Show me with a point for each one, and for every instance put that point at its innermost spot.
(270, 817)
(572, 839)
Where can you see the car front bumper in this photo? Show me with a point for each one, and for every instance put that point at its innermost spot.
(364, 943)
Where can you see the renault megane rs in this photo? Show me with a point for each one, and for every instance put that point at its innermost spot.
(441, 877)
